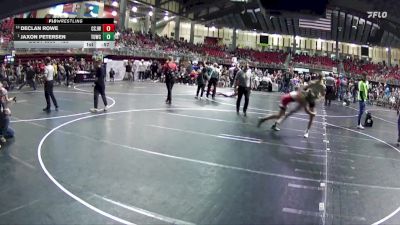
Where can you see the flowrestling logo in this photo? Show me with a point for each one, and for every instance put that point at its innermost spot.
(377, 14)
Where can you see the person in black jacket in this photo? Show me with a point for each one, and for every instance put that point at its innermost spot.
(153, 70)
(112, 73)
(68, 72)
(242, 83)
(99, 88)
(170, 68)
(29, 79)
(214, 74)
(201, 81)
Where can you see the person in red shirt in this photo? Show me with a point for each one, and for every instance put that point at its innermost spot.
(169, 70)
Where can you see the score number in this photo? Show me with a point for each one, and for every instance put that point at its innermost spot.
(108, 27)
(108, 37)
(108, 32)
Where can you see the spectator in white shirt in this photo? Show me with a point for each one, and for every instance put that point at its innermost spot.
(242, 82)
(142, 69)
(48, 85)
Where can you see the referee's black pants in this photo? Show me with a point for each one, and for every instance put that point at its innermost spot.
(170, 85)
(200, 87)
(246, 92)
(48, 93)
(330, 92)
(30, 82)
(99, 89)
(212, 82)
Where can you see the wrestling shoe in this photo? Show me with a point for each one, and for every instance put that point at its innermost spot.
(275, 127)
(259, 123)
(93, 110)
(360, 127)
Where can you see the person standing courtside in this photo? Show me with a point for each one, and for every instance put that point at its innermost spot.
(330, 89)
(362, 97)
(112, 73)
(99, 88)
(201, 81)
(214, 77)
(128, 72)
(243, 84)
(169, 69)
(29, 78)
(68, 71)
(48, 85)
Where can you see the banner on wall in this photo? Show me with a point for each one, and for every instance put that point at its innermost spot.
(119, 68)
(31, 14)
(91, 10)
(72, 8)
(107, 13)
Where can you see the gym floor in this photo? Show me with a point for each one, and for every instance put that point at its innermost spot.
(194, 162)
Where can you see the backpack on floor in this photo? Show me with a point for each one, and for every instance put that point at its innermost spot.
(368, 120)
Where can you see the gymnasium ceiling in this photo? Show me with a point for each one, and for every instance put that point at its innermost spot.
(349, 17)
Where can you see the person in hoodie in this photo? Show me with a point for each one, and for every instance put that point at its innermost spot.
(213, 81)
(201, 81)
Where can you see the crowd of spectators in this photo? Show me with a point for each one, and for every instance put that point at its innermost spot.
(314, 60)
(129, 39)
(6, 34)
(377, 72)
(12, 76)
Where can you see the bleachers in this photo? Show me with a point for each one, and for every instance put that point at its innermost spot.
(131, 40)
(314, 60)
(6, 32)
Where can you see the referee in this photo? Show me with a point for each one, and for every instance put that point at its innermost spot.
(48, 85)
(99, 88)
(243, 82)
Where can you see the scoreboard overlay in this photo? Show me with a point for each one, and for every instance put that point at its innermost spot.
(64, 33)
